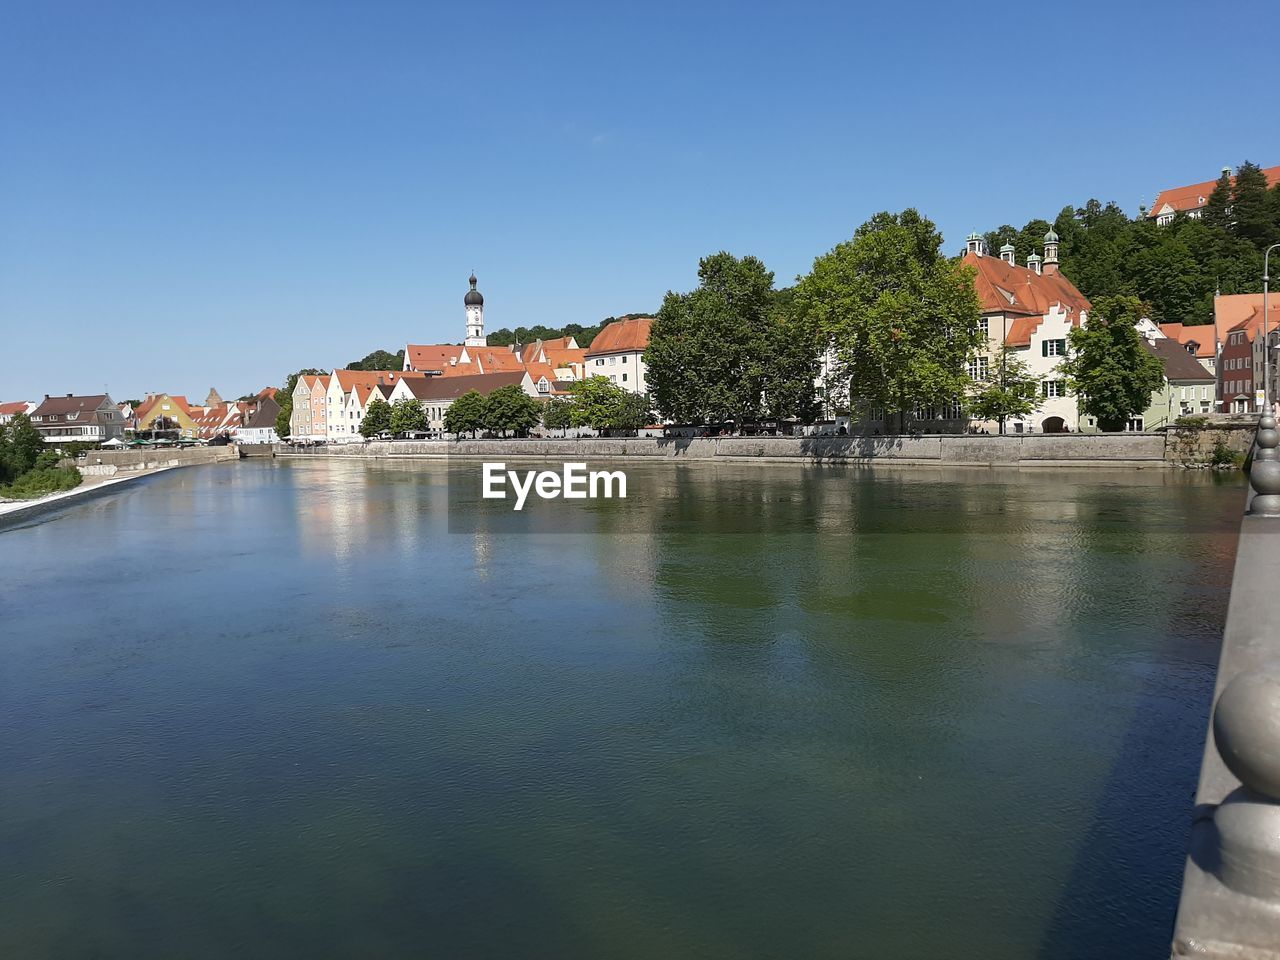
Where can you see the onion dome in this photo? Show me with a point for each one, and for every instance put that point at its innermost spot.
(473, 298)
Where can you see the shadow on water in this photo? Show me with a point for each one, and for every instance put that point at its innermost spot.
(1123, 887)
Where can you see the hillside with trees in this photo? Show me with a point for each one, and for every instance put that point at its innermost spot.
(1174, 269)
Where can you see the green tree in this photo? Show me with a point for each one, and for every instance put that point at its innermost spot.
(1108, 367)
(558, 414)
(22, 445)
(1217, 209)
(709, 349)
(407, 416)
(1009, 390)
(902, 317)
(465, 414)
(379, 360)
(510, 410)
(600, 404)
(1250, 209)
(377, 418)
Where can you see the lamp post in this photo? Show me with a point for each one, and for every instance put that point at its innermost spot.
(1266, 326)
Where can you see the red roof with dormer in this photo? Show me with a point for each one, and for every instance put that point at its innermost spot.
(1196, 195)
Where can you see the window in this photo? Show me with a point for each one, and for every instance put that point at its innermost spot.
(1053, 348)
(624, 378)
(1134, 425)
(600, 361)
(984, 325)
(1050, 389)
(624, 358)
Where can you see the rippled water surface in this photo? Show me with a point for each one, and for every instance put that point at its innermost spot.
(276, 709)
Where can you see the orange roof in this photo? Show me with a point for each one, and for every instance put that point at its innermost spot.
(565, 356)
(495, 359)
(9, 409)
(432, 356)
(1202, 335)
(1242, 309)
(1196, 195)
(621, 336)
(537, 370)
(1005, 288)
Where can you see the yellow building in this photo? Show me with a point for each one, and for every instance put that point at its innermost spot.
(163, 411)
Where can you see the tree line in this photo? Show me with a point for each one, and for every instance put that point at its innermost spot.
(1173, 269)
(883, 321)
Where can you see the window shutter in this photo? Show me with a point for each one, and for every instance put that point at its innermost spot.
(1044, 348)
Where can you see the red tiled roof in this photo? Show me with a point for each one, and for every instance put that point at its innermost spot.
(495, 359)
(1204, 336)
(622, 336)
(1006, 288)
(1196, 195)
(1242, 310)
(10, 409)
(432, 356)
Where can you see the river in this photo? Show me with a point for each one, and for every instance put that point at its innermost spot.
(294, 709)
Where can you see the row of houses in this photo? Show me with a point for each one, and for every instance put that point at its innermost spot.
(328, 408)
(96, 418)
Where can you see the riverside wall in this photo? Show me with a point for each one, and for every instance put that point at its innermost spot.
(109, 463)
(1117, 449)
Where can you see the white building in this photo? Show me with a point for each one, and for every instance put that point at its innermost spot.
(618, 353)
(1031, 309)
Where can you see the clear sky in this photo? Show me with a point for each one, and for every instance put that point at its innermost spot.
(216, 194)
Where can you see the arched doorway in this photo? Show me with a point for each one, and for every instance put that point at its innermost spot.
(1053, 425)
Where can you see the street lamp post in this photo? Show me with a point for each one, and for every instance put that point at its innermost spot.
(1266, 326)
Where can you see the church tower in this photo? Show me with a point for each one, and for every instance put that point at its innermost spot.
(475, 317)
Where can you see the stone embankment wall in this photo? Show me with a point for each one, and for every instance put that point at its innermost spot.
(1197, 446)
(1027, 450)
(111, 462)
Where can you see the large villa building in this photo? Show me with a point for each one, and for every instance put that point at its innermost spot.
(1030, 309)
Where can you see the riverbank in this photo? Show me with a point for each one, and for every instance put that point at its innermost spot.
(1131, 450)
(13, 512)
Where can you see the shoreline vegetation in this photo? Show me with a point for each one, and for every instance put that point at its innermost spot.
(28, 469)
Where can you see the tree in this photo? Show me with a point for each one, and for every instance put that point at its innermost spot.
(903, 318)
(510, 409)
(1009, 390)
(600, 404)
(465, 413)
(1250, 209)
(1217, 209)
(377, 418)
(792, 363)
(407, 416)
(20, 445)
(557, 414)
(708, 349)
(1108, 367)
(379, 360)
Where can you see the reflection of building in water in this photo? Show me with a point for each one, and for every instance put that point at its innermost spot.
(482, 554)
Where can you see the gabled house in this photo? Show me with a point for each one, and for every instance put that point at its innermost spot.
(1239, 320)
(1030, 309)
(260, 426)
(88, 419)
(1188, 388)
(163, 411)
(436, 394)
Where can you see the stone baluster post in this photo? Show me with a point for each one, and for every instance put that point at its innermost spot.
(1265, 475)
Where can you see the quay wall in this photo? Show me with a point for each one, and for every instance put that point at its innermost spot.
(98, 463)
(1118, 449)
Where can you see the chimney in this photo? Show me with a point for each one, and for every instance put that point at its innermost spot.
(68, 396)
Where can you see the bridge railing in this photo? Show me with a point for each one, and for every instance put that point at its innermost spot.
(1230, 904)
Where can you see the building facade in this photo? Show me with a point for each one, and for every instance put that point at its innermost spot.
(617, 353)
(85, 419)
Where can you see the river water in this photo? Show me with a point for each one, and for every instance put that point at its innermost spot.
(278, 709)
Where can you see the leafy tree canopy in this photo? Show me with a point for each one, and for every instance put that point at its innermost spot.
(407, 416)
(379, 360)
(1108, 367)
(510, 410)
(377, 418)
(902, 318)
(465, 414)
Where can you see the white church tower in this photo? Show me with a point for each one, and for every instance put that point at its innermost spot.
(475, 317)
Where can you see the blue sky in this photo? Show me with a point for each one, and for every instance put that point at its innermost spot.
(196, 195)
